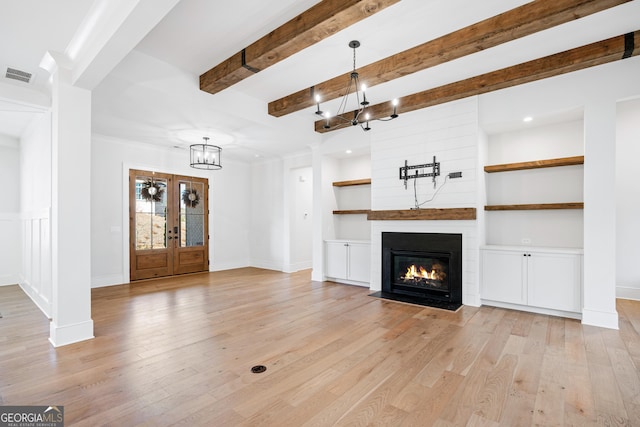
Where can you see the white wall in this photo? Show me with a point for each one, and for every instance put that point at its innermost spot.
(9, 210)
(628, 199)
(301, 218)
(229, 204)
(268, 229)
(550, 228)
(450, 132)
(35, 207)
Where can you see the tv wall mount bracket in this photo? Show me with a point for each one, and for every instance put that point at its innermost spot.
(418, 171)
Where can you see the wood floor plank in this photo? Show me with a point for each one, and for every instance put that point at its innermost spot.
(492, 398)
(607, 397)
(549, 406)
(579, 405)
(179, 351)
(520, 402)
(626, 374)
(435, 401)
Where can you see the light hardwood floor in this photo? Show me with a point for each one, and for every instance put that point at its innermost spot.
(180, 351)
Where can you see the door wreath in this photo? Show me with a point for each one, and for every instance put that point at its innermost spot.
(151, 191)
(191, 198)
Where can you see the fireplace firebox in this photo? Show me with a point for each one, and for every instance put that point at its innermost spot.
(422, 268)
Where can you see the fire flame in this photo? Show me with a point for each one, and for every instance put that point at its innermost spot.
(413, 272)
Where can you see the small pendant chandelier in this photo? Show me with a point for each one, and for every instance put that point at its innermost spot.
(205, 156)
(360, 115)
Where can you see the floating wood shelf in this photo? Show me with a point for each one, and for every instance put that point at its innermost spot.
(533, 207)
(423, 214)
(352, 182)
(351, 212)
(536, 164)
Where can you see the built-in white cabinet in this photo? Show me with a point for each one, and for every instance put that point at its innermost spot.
(547, 280)
(348, 261)
(504, 276)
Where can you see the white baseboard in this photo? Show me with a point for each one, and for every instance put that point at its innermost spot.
(348, 282)
(628, 293)
(267, 265)
(43, 304)
(531, 309)
(227, 266)
(298, 266)
(600, 318)
(472, 300)
(9, 279)
(69, 334)
(108, 280)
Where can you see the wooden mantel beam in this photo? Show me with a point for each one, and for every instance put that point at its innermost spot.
(522, 21)
(319, 22)
(610, 50)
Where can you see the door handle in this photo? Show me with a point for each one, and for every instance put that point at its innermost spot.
(175, 229)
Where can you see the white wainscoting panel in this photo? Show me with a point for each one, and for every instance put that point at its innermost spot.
(35, 279)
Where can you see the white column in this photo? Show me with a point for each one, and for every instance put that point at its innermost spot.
(71, 210)
(599, 291)
(317, 272)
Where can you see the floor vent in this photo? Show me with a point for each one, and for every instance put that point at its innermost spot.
(14, 74)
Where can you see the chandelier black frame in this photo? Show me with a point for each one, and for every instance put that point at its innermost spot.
(205, 156)
(360, 116)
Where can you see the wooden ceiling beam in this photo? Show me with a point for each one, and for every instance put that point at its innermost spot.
(319, 22)
(522, 21)
(610, 50)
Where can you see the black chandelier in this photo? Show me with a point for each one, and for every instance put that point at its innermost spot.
(205, 156)
(360, 116)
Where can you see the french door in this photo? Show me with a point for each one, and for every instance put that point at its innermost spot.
(168, 224)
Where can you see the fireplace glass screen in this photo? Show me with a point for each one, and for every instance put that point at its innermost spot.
(422, 271)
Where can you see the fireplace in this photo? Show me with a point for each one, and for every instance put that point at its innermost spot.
(422, 268)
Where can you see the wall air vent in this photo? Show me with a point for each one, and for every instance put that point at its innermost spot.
(14, 74)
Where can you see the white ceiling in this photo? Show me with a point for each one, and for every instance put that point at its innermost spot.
(152, 95)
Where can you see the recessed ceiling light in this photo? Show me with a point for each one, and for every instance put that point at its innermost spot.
(527, 119)
(348, 151)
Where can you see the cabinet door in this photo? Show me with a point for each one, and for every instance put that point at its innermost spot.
(336, 262)
(503, 276)
(554, 281)
(359, 262)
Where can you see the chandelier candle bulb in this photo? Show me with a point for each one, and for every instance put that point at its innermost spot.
(364, 94)
(327, 115)
(318, 112)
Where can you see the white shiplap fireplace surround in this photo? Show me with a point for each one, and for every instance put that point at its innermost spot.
(451, 133)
